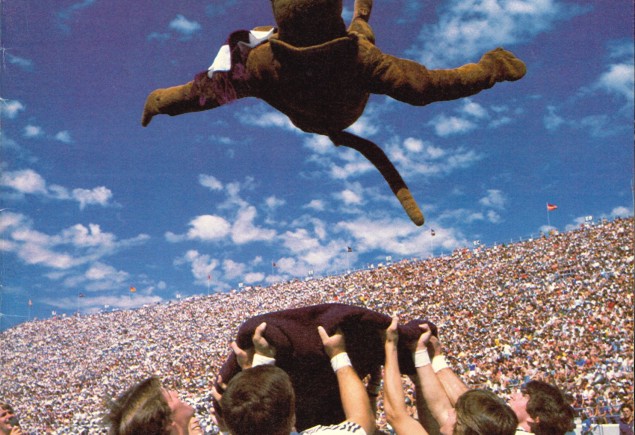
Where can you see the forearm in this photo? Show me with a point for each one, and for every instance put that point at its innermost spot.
(355, 401)
(394, 399)
(433, 393)
(453, 385)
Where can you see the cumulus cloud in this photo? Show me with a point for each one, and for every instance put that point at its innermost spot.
(27, 181)
(63, 136)
(184, 26)
(449, 125)
(465, 29)
(69, 248)
(210, 182)
(33, 131)
(10, 108)
(208, 228)
(494, 199)
(202, 265)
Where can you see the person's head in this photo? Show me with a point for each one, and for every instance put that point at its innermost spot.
(6, 415)
(626, 412)
(544, 408)
(150, 409)
(259, 400)
(480, 412)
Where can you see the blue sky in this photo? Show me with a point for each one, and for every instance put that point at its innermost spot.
(93, 203)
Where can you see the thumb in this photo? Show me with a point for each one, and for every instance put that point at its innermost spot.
(323, 334)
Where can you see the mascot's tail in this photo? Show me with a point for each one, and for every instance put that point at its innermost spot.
(378, 158)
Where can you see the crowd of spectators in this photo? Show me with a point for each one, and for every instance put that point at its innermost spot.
(556, 308)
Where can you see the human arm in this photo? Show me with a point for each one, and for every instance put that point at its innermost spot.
(433, 392)
(353, 395)
(453, 385)
(261, 353)
(394, 404)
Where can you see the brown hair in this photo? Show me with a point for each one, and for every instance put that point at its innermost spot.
(140, 409)
(259, 400)
(481, 412)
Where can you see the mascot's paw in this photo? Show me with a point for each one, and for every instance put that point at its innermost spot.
(151, 108)
(504, 65)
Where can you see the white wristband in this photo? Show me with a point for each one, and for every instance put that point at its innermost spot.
(421, 358)
(261, 360)
(340, 360)
(439, 363)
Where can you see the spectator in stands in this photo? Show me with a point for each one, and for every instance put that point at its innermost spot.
(626, 419)
(147, 408)
(8, 420)
(477, 412)
(260, 399)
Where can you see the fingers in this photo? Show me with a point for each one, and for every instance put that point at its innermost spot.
(259, 331)
(237, 350)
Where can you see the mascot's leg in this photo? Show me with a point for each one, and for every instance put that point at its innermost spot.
(379, 159)
(174, 101)
(413, 83)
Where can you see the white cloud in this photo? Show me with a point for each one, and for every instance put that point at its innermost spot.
(33, 131)
(267, 118)
(244, 231)
(233, 269)
(473, 109)
(618, 80)
(69, 248)
(208, 228)
(99, 196)
(316, 204)
(349, 197)
(184, 26)
(63, 136)
(399, 236)
(449, 125)
(621, 212)
(23, 63)
(495, 199)
(10, 108)
(27, 181)
(467, 28)
(273, 202)
(210, 182)
(24, 181)
(202, 265)
(253, 277)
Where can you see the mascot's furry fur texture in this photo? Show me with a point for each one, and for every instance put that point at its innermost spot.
(320, 74)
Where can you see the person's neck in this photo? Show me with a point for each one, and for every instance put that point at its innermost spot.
(524, 425)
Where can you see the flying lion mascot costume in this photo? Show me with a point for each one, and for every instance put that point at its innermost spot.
(320, 74)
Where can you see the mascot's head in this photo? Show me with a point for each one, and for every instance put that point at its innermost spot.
(308, 22)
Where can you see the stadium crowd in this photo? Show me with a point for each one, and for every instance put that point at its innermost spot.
(557, 308)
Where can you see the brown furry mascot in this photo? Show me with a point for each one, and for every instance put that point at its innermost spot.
(320, 74)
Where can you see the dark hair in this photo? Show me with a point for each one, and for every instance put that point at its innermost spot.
(481, 412)
(259, 400)
(7, 407)
(142, 409)
(548, 406)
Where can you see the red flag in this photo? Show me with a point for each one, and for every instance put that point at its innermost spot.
(132, 289)
(551, 207)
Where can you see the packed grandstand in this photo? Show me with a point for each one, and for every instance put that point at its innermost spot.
(557, 308)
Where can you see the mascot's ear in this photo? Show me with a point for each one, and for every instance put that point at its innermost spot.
(378, 158)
